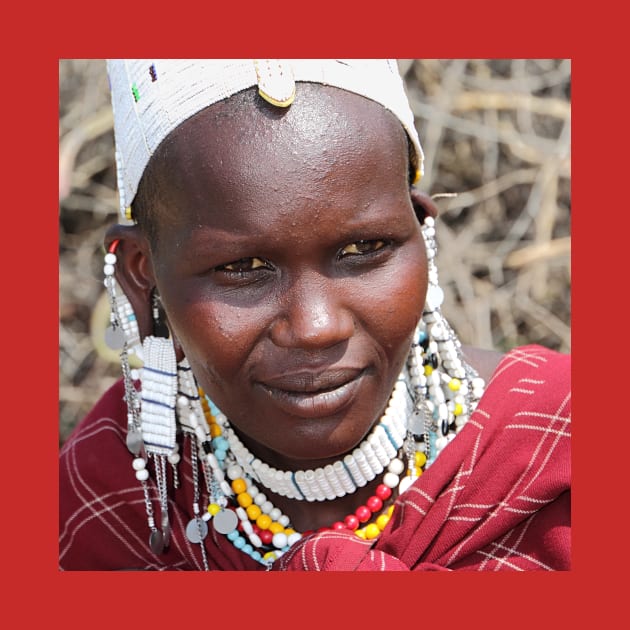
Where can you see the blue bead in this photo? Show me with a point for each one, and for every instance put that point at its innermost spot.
(239, 542)
(233, 535)
(248, 549)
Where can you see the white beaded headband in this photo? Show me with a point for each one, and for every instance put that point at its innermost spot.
(151, 97)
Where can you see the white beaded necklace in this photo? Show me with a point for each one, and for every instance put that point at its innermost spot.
(345, 475)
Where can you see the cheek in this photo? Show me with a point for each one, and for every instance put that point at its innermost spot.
(216, 339)
(396, 303)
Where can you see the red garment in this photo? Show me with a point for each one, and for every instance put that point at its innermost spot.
(497, 497)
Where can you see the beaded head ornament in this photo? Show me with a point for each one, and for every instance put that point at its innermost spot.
(151, 97)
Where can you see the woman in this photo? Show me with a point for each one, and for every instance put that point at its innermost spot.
(303, 404)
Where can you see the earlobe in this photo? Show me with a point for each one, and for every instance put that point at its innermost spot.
(422, 204)
(134, 272)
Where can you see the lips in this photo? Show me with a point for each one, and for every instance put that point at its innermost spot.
(314, 395)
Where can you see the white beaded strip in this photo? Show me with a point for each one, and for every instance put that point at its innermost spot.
(159, 392)
(331, 482)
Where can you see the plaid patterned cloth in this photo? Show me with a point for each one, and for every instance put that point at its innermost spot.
(497, 498)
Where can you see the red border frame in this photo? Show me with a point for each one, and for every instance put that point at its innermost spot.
(38, 592)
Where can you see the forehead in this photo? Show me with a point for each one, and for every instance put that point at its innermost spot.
(243, 148)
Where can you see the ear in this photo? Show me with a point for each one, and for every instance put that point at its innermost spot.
(134, 271)
(422, 204)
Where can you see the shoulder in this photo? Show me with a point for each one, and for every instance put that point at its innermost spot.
(484, 361)
(491, 363)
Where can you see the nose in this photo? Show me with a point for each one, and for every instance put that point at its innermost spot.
(313, 316)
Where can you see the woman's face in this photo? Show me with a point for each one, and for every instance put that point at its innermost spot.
(292, 267)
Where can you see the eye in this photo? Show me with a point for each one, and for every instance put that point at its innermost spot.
(360, 248)
(244, 265)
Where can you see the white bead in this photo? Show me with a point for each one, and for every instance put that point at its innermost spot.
(293, 538)
(405, 483)
(241, 513)
(248, 528)
(283, 520)
(396, 466)
(212, 460)
(142, 475)
(266, 507)
(279, 540)
(234, 472)
(391, 480)
(275, 514)
(110, 258)
(206, 516)
(260, 499)
(138, 463)
(174, 458)
(255, 540)
(226, 488)
(108, 270)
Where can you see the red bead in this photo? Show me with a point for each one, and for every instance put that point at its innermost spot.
(266, 536)
(363, 513)
(374, 503)
(323, 529)
(256, 529)
(351, 521)
(383, 492)
(338, 525)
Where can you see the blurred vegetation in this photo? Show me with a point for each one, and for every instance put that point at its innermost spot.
(497, 140)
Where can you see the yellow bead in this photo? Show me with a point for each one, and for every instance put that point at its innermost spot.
(458, 409)
(270, 555)
(276, 528)
(371, 531)
(390, 510)
(239, 485)
(419, 471)
(213, 508)
(428, 370)
(454, 384)
(382, 520)
(289, 530)
(360, 533)
(421, 458)
(263, 521)
(215, 430)
(244, 499)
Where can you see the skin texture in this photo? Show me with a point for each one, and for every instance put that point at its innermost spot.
(291, 267)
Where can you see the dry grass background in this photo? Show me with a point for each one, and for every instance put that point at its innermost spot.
(497, 136)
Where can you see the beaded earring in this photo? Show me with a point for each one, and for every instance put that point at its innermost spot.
(446, 388)
(158, 406)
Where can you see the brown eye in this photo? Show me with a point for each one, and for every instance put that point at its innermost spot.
(243, 265)
(362, 247)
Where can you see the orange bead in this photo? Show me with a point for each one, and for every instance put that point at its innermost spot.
(215, 430)
(253, 511)
(244, 499)
(239, 485)
(263, 521)
(276, 528)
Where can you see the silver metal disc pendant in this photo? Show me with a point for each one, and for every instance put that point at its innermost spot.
(225, 521)
(115, 338)
(134, 442)
(196, 530)
(156, 541)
